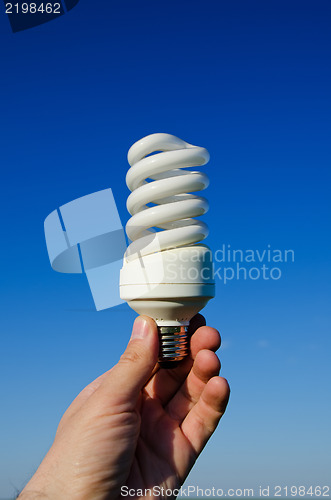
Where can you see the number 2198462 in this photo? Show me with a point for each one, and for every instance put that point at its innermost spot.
(33, 8)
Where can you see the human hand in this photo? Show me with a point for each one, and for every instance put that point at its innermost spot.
(136, 425)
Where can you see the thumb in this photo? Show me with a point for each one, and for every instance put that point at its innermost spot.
(128, 377)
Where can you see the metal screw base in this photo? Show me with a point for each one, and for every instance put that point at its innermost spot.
(174, 345)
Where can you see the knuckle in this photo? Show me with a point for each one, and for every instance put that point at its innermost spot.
(131, 356)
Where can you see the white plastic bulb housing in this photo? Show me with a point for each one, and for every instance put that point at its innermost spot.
(167, 274)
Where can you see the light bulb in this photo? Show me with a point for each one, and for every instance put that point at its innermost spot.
(166, 274)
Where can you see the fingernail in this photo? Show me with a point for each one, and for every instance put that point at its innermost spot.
(140, 328)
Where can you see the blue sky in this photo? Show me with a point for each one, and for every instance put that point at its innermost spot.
(250, 81)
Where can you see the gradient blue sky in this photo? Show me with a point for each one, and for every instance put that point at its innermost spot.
(249, 80)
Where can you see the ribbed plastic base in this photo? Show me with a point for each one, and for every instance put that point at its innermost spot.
(174, 345)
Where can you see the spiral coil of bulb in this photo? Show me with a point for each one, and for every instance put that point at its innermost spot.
(162, 158)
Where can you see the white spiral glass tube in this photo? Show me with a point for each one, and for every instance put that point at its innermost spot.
(165, 274)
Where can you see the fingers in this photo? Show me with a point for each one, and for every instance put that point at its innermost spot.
(205, 338)
(203, 418)
(122, 385)
(165, 383)
(124, 381)
(206, 365)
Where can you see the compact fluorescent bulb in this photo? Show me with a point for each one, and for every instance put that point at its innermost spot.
(166, 275)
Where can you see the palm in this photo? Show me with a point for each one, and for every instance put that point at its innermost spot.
(163, 453)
